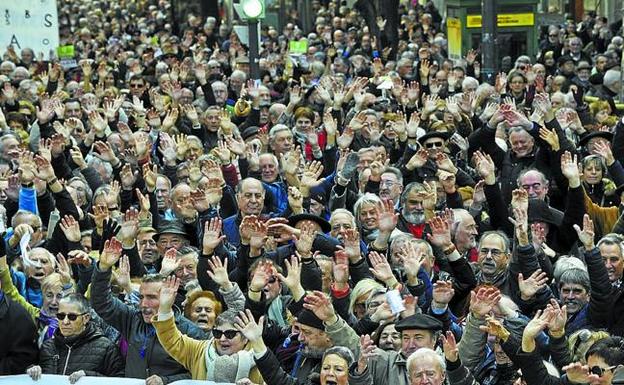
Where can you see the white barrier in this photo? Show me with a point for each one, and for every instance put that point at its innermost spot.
(51, 379)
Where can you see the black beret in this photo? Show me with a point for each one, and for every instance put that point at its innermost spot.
(325, 226)
(419, 322)
(249, 132)
(306, 317)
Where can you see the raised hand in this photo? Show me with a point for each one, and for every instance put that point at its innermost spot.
(247, 326)
(351, 241)
(170, 262)
(129, 227)
(111, 254)
(530, 286)
(569, 169)
(440, 233)
(586, 235)
(79, 257)
(381, 268)
(367, 351)
(520, 199)
(495, 328)
(387, 218)
(305, 240)
(219, 272)
(578, 373)
(168, 293)
(550, 137)
(310, 177)
(212, 235)
(418, 160)
(485, 167)
(449, 345)
(483, 301)
(538, 324)
(261, 276)
(71, 228)
(293, 279)
(319, 304)
(443, 293)
(557, 323)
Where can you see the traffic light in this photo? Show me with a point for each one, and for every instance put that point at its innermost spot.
(250, 9)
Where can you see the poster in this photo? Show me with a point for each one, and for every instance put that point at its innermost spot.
(29, 24)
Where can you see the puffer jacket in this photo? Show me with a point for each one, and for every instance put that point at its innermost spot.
(89, 351)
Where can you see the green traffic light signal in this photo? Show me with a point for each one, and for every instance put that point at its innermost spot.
(253, 9)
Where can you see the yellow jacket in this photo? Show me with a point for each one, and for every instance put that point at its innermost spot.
(189, 352)
(604, 218)
(10, 291)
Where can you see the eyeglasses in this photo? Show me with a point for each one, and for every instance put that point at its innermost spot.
(494, 252)
(434, 144)
(387, 183)
(554, 35)
(71, 316)
(229, 334)
(597, 370)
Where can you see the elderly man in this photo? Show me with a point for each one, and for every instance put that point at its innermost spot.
(418, 331)
(250, 195)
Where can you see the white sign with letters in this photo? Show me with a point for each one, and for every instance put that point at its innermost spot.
(29, 24)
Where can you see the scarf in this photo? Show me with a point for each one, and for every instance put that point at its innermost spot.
(49, 326)
(275, 311)
(227, 368)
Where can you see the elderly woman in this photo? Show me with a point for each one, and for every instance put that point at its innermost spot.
(203, 308)
(223, 358)
(598, 187)
(78, 348)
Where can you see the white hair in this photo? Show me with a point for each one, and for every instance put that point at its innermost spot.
(423, 353)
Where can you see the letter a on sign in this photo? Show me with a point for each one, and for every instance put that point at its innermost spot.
(29, 24)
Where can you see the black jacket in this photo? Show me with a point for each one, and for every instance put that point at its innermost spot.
(18, 340)
(90, 351)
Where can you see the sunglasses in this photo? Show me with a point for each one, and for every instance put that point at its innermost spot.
(71, 316)
(434, 144)
(229, 334)
(272, 280)
(597, 370)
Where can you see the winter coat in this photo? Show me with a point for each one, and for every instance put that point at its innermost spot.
(89, 351)
(18, 341)
(146, 356)
(191, 353)
(310, 364)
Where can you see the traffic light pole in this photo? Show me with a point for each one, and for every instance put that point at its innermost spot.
(254, 50)
(488, 47)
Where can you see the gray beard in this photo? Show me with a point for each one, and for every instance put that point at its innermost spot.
(414, 218)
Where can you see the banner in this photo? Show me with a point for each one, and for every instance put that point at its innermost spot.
(52, 379)
(29, 24)
(453, 29)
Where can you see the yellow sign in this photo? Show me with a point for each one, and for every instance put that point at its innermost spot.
(504, 20)
(453, 28)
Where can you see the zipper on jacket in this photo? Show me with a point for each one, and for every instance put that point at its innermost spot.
(67, 360)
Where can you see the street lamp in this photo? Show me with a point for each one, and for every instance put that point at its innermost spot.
(252, 10)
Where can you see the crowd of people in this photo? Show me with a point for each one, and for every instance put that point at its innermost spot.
(366, 212)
